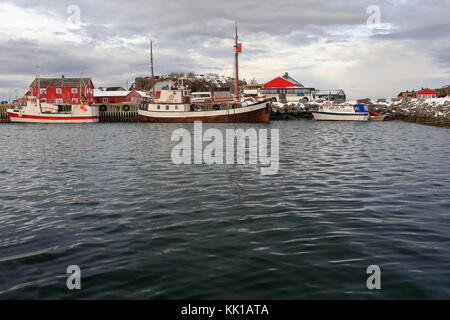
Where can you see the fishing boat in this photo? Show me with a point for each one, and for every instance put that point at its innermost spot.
(358, 112)
(177, 105)
(34, 111)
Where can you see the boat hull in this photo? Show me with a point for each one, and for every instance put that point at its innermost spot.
(379, 118)
(57, 118)
(259, 112)
(332, 116)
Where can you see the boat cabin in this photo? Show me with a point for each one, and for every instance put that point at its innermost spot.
(170, 100)
(360, 107)
(174, 96)
(201, 96)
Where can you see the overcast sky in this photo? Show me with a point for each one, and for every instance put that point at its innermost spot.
(322, 44)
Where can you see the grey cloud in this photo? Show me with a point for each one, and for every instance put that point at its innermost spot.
(200, 26)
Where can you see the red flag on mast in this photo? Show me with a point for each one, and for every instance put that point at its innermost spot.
(239, 48)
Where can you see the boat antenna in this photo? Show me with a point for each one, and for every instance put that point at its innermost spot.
(153, 75)
(237, 65)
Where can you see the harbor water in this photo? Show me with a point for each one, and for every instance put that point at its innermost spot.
(107, 198)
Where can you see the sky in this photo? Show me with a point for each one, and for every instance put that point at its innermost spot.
(370, 49)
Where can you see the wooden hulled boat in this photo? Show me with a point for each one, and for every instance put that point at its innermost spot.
(166, 111)
(177, 106)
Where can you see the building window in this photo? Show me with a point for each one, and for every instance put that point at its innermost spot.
(43, 91)
(74, 90)
(58, 91)
(105, 99)
(59, 100)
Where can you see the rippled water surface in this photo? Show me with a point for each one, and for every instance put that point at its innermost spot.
(106, 197)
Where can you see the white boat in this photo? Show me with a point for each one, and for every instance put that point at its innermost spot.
(35, 111)
(357, 112)
(178, 106)
(174, 106)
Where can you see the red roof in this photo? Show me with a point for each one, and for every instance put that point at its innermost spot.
(426, 91)
(280, 82)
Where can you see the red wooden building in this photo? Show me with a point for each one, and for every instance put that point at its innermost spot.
(421, 94)
(63, 90)
(283, 82)
(119, 96)
(286, 89)
(426, 94)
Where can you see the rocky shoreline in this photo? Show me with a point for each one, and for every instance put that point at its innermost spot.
(435, 112)
(292, 110)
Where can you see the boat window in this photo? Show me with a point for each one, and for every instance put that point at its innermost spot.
(65, 108)
(144, 105)
(176, 107)
(167, 107)
(159, 107)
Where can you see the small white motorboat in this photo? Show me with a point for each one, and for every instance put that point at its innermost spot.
(358, 112)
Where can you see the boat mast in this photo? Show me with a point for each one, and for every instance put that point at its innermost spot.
(39, 82)
(81, 80)
(237, 66)
(39, 87)
(153, 75)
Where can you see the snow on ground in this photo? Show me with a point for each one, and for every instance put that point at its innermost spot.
(437, 106)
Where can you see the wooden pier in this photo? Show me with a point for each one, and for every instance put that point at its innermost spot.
(119, 112)
(4, 118)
